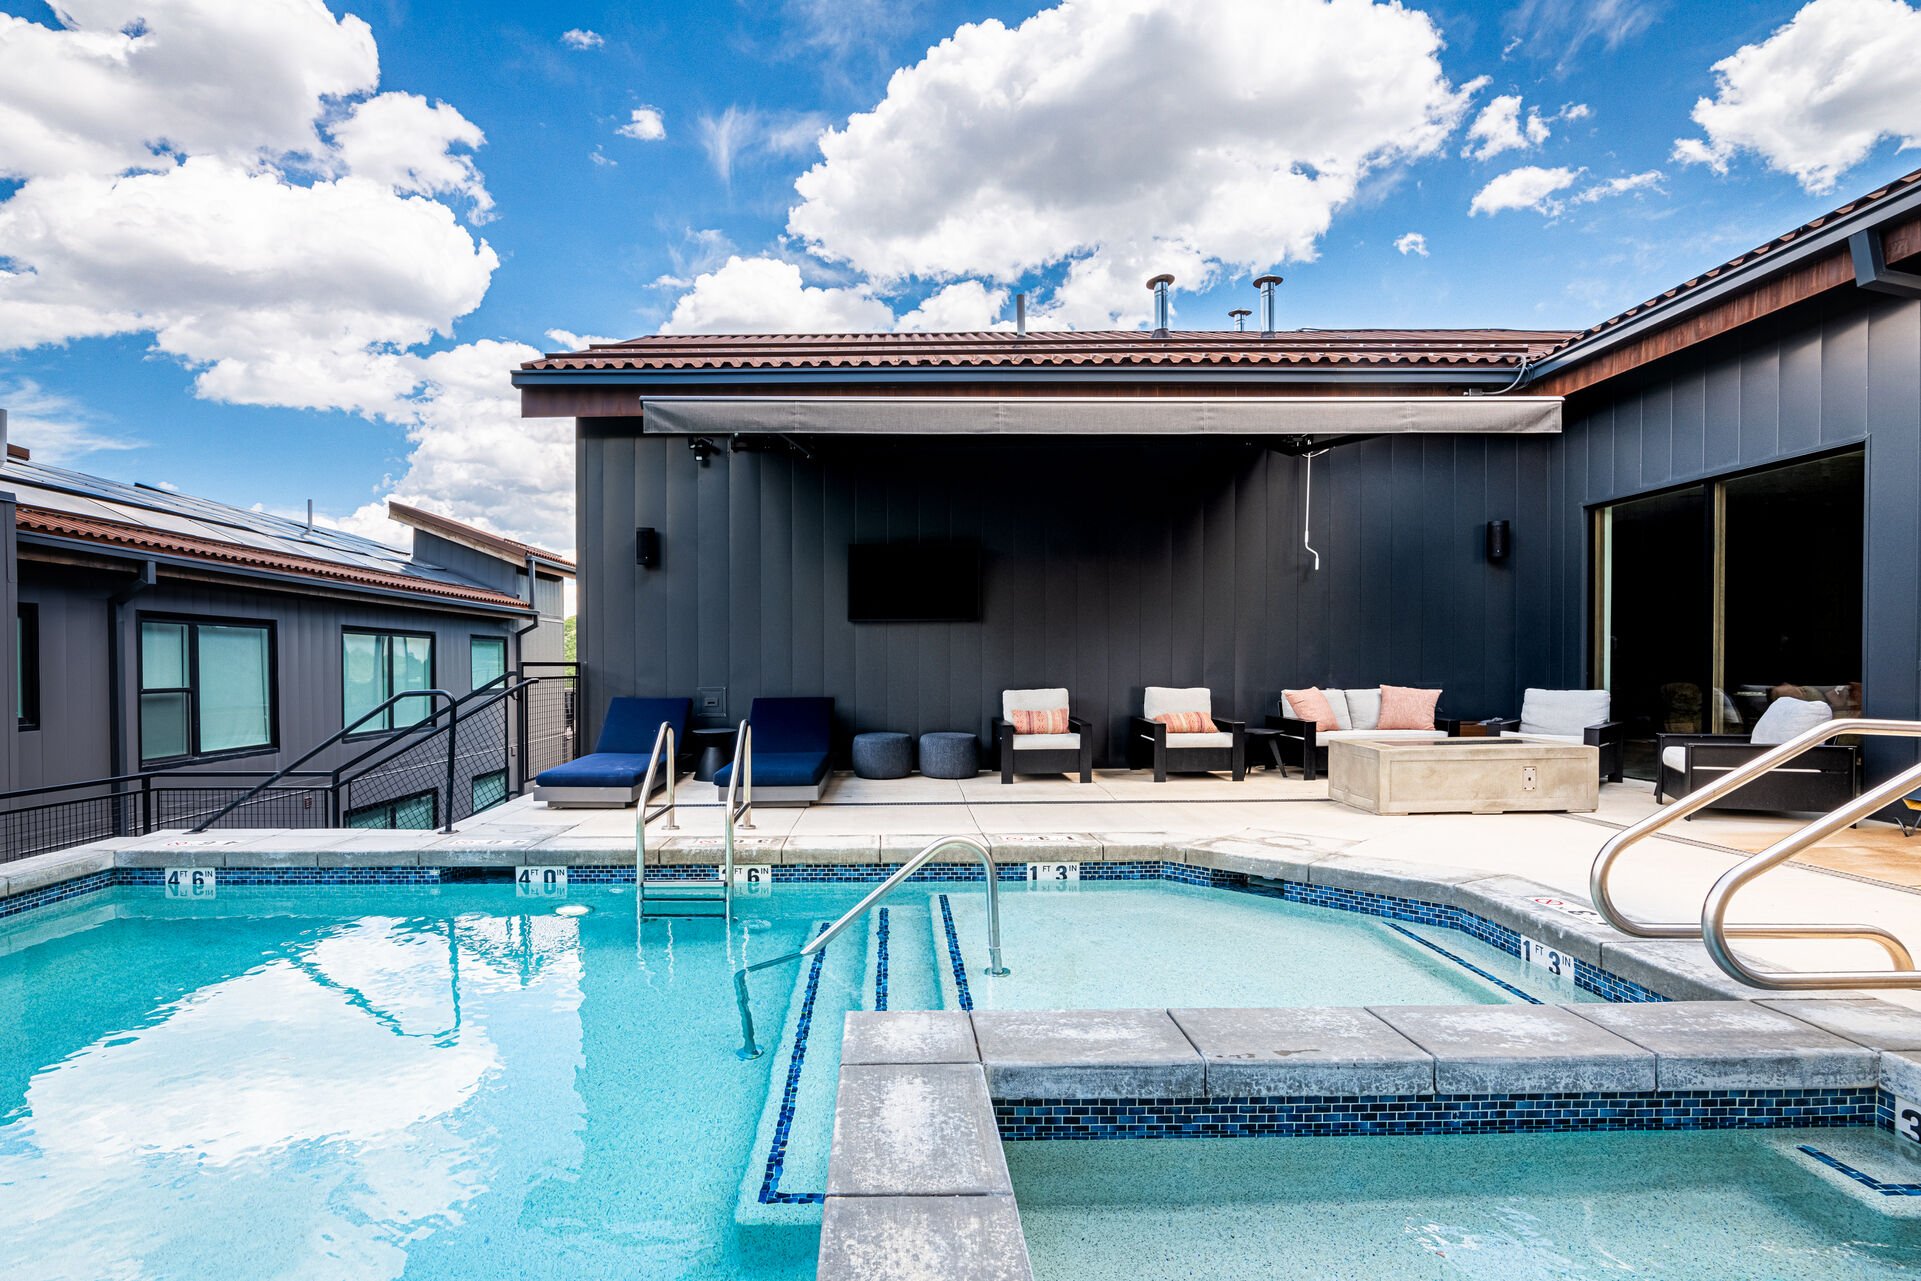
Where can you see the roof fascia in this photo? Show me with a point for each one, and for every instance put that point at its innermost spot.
(1476, 375)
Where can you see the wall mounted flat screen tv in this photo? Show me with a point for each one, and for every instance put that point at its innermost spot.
(914, 582)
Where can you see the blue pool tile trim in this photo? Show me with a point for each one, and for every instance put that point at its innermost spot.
(1469, 966)
(880, 959)
(1335, 1115)
(1589, 978)
(961, 994)
(1862, 1177)
(770, 1193)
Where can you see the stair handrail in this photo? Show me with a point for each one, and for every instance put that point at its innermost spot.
(663, 743)
(404, 740)
(1734, 778)
(329, 741)
(750, 1049)
(1714, 909)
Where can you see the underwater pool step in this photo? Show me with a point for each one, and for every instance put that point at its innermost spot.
(683, 898)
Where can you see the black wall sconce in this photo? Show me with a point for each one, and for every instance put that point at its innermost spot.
(1497, 541)
(647, 547)
(703, 449)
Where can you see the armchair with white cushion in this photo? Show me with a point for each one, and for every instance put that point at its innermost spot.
(1571, 716)
(1065, 747)
(1821, 778)
(1160, 736)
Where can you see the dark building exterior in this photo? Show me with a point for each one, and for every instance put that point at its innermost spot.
(156, 633)
(1709, 500)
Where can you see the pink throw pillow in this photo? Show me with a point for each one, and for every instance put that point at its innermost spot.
(1312, 705)
(1188, 722)
(1049, 720)
(1403, 708)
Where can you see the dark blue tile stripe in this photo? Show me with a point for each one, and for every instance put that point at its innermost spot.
(965, 998)
(1862, 1177)
(1330, 1115)
(1469, 966)
(880, 959)
(790, 1092)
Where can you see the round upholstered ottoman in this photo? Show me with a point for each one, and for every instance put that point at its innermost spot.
(950, 755)
(883, 755)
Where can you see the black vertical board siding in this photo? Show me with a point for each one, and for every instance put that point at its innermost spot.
(1760, 405)
(776, 537)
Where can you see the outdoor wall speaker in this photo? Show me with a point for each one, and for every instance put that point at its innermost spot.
(1497, 541)
(647, 547)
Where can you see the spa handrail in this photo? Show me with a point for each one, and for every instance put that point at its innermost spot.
(1735, 777)
(750, 1049)
(663, 749)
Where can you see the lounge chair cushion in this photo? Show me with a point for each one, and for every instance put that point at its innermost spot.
(1575, 739)
(1030, 700)
(602, 769)
(1047, 742)
(1177, 742)
(791, 724)
(1158, 699)
(1562, 712)
(780, 769)
(1363, 708)
(1676, 759)
(1788, 717)
(633, 723)
(1383, 735)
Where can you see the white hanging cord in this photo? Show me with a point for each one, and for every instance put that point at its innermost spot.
(1307, 508)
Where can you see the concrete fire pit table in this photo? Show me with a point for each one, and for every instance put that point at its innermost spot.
(1463, 775)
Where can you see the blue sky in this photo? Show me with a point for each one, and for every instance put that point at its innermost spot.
(179, 344)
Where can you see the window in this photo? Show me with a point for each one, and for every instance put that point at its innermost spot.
(206, 688)
(26, 666)
(489, 659)
(374, 666)
(416, 812)
(489, 790)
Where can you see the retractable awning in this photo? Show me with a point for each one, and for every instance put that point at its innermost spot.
(1100, 416)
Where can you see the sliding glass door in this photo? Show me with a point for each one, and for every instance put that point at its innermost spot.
(1714, 600)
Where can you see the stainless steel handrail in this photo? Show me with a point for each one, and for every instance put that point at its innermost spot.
(750, 1049)
(1735, 777)
(739, 779)
(663, 742)
(1714, 910)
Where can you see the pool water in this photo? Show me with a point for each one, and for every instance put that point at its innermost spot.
(453, 1082)
(1703, 1206)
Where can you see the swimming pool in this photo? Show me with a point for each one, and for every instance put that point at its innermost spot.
(449, 1081)
(1699, 1206)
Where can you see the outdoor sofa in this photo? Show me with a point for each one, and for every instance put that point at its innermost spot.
(1821, 778)
(1571, 716)
(1068, 751)
(1357, 715)
(1169, 749)
(792, 739)
(611, 776)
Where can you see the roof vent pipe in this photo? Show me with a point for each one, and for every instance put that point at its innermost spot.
(1267, 285)
(1160, 285)
(1020, 315)
(1239, 316)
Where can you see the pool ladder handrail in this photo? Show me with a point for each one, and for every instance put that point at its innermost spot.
(664, 745)
(1713, 928)
(750, 1049)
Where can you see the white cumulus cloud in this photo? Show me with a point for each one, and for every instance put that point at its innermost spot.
(58, 429)
(1650, 180)
(1499, 127)
(1819, 94)
(645, 124)
(962, 306)
(1412, 243)
(1529, 187)
(1120, 138)
(581, 38)
(768, 295)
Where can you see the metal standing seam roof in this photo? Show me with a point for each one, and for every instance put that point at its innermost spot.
(61, 503)
(1293, 348)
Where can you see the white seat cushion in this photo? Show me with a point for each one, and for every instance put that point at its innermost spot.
(1158, 700)
(1562, 712)
(1200, 740)
(1788, 717)
(1046, 742)
(1372, 735)
(1676, 759)
(1363, 708)
(1548, 738)
(1031, 700)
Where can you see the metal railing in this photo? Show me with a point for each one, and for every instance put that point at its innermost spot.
(1713, 927)
(663, 744)
(750, 1048)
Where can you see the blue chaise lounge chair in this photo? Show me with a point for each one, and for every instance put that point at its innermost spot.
(611, 777)
(792, 737)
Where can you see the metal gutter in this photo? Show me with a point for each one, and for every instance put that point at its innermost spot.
(421, 599)
(1815, 244)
